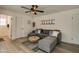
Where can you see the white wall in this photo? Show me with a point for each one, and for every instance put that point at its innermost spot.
(63, 22)
(22, 26)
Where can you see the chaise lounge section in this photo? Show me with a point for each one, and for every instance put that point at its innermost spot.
(47, 44)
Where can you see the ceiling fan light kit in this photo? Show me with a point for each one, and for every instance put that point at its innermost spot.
(33, 9)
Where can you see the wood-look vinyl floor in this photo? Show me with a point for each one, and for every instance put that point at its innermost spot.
(16, 46)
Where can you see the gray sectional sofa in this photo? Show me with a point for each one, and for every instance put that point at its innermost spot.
(48, 38)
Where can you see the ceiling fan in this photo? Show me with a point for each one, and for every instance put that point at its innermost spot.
(33, 9)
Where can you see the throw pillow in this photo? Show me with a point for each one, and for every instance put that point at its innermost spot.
(39, 31)
(55, 33)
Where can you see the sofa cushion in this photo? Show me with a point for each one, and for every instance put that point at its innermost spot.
(50, 33)
(46, 32)
(38, 31)
(54, 33)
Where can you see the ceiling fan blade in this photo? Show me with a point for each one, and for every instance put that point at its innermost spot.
(27, 11)
(40, 11)
(25, 7)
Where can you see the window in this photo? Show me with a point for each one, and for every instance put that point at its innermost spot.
(2, 21)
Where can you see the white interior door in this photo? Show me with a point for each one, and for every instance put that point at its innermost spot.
(13, 28)
(20, 27)
(75, 29)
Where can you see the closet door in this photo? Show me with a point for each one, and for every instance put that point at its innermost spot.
(20, 27)
(75, 29)
(13, 27)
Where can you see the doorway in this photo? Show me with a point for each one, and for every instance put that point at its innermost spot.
(75, 29)
(5, 26)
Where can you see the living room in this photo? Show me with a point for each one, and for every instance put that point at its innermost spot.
(60, 18)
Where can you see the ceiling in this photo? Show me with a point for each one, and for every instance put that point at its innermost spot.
(47, 8)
